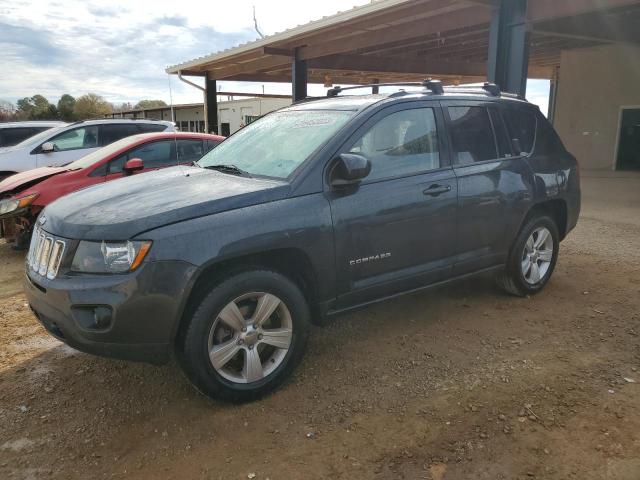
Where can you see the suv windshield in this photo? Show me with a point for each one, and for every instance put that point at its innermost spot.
(277, 144)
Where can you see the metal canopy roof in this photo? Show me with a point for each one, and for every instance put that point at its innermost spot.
(390, 40)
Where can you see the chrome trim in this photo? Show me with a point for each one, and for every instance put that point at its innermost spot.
(45, 254)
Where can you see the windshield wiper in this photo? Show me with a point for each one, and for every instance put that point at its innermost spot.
(232, 169)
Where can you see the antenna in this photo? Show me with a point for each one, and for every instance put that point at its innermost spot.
(173, 119)
(255, 23)
(175, 139)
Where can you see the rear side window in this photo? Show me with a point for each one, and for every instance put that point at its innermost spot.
(471, 135)
(112, 133)
(521, 125)
(547, 140)
(151, 127)
(402, 143)
(13, 136)
(502, 137)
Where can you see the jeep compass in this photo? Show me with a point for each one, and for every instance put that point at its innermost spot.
(318, 208)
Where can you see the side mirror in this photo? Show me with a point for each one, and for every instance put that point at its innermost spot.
(515, 144)
(48, 147)
(349, 169)
(132, 166)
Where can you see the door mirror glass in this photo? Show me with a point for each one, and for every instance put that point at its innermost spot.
(349, 169)
(48, 147)
(517, 148)
(132, 166)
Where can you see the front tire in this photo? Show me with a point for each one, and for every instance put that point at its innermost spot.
(532, 258)
(246, 336)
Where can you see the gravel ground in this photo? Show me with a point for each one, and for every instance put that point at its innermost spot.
(460, 382)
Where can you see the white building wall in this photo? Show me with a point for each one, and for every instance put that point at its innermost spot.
(234, 113)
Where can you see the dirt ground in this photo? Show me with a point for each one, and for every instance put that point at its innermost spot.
(461, 382)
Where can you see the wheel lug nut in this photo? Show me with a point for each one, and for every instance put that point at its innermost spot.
(250, 347)
(260, 337)
(244, 329)
(240, 342)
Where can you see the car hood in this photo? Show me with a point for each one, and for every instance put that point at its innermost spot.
(124, 208)
(21, 181)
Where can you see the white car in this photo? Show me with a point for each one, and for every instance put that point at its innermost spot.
(62, 145)
(12, 133)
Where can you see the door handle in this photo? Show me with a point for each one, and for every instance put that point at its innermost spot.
(435, 190)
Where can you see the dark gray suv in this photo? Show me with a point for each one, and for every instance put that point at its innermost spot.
(310, 211)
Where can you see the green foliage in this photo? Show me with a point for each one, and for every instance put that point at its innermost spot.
(145, 104)
(35, 108)
(91, 106)
(66, 105)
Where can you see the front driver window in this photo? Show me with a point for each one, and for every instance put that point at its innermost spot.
(402, 143)
(153, 155)
(83, 137)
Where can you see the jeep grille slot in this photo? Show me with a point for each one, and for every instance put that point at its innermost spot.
(45, 254)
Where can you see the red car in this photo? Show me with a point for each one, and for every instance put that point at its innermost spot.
(24, 195)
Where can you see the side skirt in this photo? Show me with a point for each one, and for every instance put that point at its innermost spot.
(328, 312)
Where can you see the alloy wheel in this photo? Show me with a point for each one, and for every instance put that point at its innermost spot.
(537, 255)
(250, 337)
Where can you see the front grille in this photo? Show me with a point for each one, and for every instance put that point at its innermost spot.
(45, 254)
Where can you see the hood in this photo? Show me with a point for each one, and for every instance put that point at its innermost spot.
(21, 181)
(122, 209)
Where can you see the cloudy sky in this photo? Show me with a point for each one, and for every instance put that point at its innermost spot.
(120, 48)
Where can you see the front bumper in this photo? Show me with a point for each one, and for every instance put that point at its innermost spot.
(145, 308)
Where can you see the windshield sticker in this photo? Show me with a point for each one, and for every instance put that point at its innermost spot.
(313, 122)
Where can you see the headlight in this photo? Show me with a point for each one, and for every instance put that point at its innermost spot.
(12, 204)
(109, 257)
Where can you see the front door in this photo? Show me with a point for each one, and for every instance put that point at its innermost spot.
(69, 146)
(396, 230)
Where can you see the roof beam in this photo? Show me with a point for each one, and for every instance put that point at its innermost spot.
(406, 31)
(262, 63)
(592, 27)
(540, 10)
(397, 65)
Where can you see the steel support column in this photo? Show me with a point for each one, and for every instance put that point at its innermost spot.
(509, 46)
(298, 79)
(553, 95)
(211, 102)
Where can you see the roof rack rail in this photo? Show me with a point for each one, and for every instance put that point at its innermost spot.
(435, 86)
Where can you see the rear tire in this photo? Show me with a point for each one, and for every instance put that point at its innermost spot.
(246, 336)
(532, 258)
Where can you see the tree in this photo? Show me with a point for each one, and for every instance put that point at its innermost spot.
(42, 109)
(144, 104)
(36, 108)
(65, 107)
(122, 107)
(91, 106)
(7, 111)
(23, 112)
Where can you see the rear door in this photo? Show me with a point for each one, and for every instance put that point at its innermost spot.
(113, 132)
(396, 230)
(494, 185)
